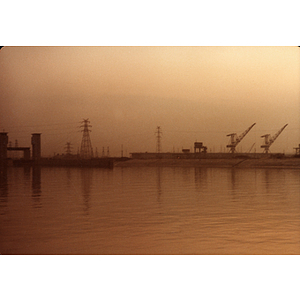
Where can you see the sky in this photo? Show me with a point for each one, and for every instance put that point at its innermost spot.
(194, 94)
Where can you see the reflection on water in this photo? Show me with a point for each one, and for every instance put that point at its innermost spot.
(159, 189)
(201, 177)
(27, 172)
(36, 186)
(68, 173)
(3, 182)
(149, 211)
(86, 182)
(233, 179)
(3, 189)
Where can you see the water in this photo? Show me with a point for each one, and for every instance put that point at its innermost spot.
(149, 210)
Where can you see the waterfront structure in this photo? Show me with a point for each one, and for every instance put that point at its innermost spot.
(36, 146)
(3, 146)
(198, 147)
(297, 150)
(26, 151)
(190, 155)
(234, 140)
(269, 141)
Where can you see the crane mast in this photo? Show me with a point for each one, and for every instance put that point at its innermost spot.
(269, 141)
(234, 140)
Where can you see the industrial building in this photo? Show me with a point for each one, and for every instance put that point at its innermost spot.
(86, 158)
(200, 151)
(35, 145)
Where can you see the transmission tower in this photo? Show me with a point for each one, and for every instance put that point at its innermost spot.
(158, 137)
(68, 149)
(86, 150)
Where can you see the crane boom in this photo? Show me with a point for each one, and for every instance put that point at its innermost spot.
(234, 141)
(269, 141)
(251, 148)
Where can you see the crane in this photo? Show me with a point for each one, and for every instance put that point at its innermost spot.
(234, 140)
(269, 141)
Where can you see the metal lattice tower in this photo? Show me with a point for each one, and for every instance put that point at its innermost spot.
(86, 150)
(68, 149)
(158, 137)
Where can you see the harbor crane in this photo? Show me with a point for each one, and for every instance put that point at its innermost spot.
(269, 141)
(234, 140)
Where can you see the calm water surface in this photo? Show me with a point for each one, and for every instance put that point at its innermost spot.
(148, 210)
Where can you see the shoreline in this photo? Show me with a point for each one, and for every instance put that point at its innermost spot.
(213, 163)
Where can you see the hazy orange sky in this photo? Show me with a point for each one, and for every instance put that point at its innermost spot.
(192, 93)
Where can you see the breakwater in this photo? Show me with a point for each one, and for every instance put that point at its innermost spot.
(219, 163)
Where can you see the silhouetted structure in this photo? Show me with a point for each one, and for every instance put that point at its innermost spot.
(26, 151)
(3, 146)
(297, 150)
(198, 147)
(234, 140)
(186, 150)
(86, 151)
(68, 149)
(36, 146)
(158, 136)
(269, 141)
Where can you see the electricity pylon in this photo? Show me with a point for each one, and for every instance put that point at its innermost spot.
(158, 136)
(68, 149)
(86, 150)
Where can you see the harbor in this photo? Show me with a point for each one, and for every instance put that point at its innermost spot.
(200, 157)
